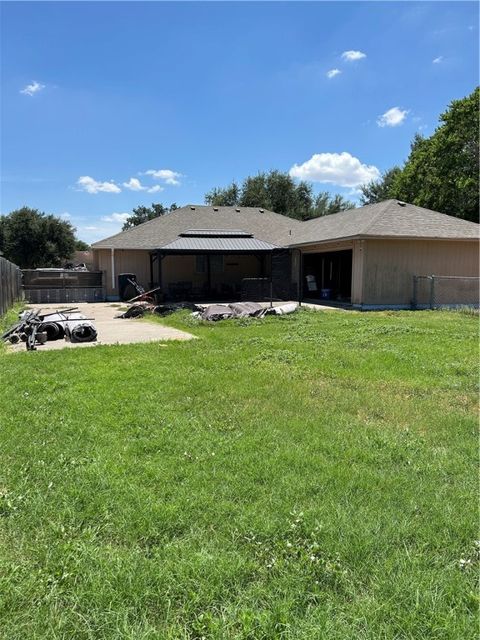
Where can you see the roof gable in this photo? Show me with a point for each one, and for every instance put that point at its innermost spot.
(262, 224)
(387, 219)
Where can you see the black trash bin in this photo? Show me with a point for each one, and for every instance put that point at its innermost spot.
(126, 290)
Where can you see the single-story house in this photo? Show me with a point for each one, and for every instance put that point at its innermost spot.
(366, 257)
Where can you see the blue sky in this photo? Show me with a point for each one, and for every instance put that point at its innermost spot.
(108, 105)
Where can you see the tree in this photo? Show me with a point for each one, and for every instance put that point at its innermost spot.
(442, 171)
(227, 197)
(382, 189)
(143, 214)
(80, 245)
(326, 204)
(33, 239)
(278, 192)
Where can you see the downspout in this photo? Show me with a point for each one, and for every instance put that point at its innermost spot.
(112, 266)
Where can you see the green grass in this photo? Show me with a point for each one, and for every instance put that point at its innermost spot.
(305, 477)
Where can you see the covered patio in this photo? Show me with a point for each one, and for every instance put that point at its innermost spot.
(210, 264)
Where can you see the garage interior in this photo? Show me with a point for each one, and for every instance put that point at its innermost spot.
(327, 276)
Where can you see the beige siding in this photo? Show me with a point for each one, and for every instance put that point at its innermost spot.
(391, 264)
(126, 261)
(358, 262)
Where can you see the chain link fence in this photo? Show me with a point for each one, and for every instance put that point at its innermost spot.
(431, 292)
(10, 285)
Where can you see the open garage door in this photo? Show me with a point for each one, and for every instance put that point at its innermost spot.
(328, 276)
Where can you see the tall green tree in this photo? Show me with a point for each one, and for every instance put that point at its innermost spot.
(442, 171)
(278, 192)
(143, 214)
(32, 239)
(382, 189)
(326, 204)
(80, 245)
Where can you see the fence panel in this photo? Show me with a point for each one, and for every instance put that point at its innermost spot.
(455, 291)
(43, 286)
(430, 292)
(10, 285)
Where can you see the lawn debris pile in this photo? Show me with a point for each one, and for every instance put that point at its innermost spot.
(215, 312)
(141, 308)
(35, 328)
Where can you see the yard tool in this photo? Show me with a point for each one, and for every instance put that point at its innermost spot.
(143, 295)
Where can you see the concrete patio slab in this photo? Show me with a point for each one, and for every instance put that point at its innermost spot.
(110, 330)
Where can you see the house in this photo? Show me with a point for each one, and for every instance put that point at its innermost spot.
(367, 257)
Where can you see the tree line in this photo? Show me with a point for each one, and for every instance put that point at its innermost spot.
(440, 173)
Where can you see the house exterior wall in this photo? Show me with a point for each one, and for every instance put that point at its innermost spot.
(126, 261)
(389, 266)
(175, 268)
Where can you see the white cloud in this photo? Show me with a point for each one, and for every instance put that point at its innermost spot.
(88, 184)
(333, 72)
(116, 217)
(341, 169)
(32, 89)
(393, 117)
(351, 55)
(134, 184)
(437, 60)
(167, 175)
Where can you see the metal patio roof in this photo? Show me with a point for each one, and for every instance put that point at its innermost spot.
(242, 244)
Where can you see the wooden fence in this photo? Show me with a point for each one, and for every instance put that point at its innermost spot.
(11, 288)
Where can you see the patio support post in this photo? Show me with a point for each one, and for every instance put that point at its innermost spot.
(300, 276)
(151, 270)
(209, 276)
(160, 258)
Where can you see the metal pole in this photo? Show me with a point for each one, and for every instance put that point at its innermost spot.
(432, 292)
(415, 294)
(271, 279)
(300, 277)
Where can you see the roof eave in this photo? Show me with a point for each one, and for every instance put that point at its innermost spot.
(383, 237)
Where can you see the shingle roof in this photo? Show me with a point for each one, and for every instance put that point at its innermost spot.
(262, 224)
(390, 218)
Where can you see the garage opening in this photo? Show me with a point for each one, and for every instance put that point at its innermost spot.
(328, 276)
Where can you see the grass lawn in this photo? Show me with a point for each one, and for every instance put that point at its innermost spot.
(305, 477)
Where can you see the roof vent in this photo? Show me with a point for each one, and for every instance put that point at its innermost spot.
(401, 203)
(237, 210)
(262, 210)
(192, 208)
